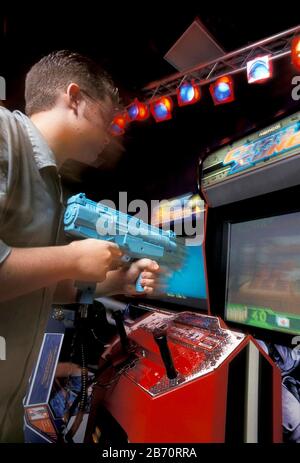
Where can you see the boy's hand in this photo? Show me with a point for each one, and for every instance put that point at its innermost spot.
(91, 259)
(149, 280)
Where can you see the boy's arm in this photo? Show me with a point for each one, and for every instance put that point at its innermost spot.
(121, 281)
(28, 269)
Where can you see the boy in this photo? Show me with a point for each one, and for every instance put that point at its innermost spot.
(69, 107)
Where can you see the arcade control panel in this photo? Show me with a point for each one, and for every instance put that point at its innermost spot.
(168, 350)
(181, 377)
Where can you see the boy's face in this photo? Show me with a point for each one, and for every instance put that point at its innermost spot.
(91, 128)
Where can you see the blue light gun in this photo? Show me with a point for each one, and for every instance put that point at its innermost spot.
(87, 219)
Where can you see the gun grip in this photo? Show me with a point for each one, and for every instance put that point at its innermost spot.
(138, 287)
(86, 292)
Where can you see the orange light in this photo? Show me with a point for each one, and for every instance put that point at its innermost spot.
(167, 102)
(119, 124)
(296, 52)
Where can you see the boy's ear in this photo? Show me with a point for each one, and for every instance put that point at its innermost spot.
(73, 95)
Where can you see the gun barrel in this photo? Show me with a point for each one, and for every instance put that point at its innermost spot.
(85, 218)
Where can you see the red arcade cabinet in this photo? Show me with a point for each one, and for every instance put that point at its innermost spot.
(187, 380)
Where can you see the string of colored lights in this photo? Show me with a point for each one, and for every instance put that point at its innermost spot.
(255, 59)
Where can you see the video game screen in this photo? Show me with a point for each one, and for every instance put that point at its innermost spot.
(263, 273)
(185, 216)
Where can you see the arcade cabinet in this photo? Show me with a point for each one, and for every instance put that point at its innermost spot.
(178, 374)
(252, 190)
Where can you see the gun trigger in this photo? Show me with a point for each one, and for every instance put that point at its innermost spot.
(125, 258)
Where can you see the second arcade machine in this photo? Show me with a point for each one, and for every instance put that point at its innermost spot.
(253, 248)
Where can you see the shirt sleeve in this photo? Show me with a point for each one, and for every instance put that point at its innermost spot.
(6, 167)
(5, 250)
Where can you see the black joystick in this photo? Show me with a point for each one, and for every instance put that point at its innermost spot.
(118, 317)
(161, 340)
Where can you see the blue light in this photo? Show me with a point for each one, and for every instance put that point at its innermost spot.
(133, 111)
(161, 110)
(187, 92)
(259, 71)
(116, 129)
(222, 91)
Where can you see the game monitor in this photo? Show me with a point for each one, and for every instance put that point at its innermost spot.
(263, 273)
(187, 285)
(252, 190)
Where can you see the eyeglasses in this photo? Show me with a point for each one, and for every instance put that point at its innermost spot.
(106, 114)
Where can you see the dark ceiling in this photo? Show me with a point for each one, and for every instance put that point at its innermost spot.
(159, 159)
(128, 42)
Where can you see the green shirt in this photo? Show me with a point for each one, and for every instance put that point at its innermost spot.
(31, 210)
